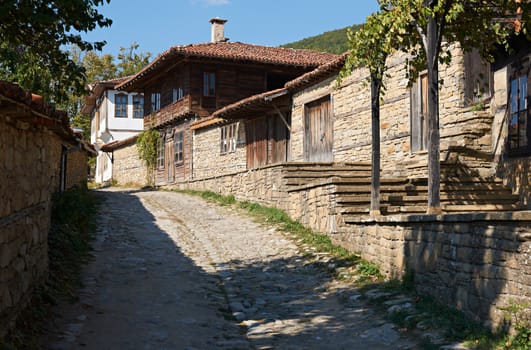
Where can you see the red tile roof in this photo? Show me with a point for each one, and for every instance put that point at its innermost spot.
(113, 145)
(322, 72)
(32, 109)
(236, 52)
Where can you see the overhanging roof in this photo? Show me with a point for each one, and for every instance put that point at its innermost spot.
(230, 52)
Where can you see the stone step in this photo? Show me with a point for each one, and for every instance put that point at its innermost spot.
(324, 174)
(327, 168)
(452, 197)
(352, 214)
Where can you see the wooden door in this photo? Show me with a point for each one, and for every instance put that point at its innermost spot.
(318, 136)
(168, 160)
(256, 134)
(279, 139)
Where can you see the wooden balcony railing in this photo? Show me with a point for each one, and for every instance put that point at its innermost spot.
(167, 113)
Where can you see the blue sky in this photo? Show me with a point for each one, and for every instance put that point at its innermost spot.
(157, 25)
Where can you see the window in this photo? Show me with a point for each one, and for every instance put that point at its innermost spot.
(160, 152)
(419, 113)
(478, 78)
(155, 101)
(519, 117)
(138, 106)
(120, 106)
(178, 147)
(229, 138)
(209, 84)
(178, 93)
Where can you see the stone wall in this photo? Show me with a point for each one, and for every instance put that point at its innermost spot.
(462, 128)
(30, 163)
(128, 168)
(208, 161)
(76, 168)
(264, 185)
(473, 262)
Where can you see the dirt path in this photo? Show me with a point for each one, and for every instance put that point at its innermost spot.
(174, 272)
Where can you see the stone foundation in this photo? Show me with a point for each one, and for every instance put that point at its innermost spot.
(473, 262)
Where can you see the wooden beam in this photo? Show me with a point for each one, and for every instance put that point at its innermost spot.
(282, 117)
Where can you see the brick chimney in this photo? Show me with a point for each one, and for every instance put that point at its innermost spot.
(218, 30)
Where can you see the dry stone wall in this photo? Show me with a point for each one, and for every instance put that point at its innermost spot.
(208, 161)
(30, 162)
(128, 168)
(474, 262)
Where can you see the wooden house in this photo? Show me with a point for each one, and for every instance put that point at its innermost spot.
(189, 83)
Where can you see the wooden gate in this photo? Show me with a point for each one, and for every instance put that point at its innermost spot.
(318, 136)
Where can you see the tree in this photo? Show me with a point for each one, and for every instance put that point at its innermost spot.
(131, 62)
(32, 35)
(370, 47)
(419, 26)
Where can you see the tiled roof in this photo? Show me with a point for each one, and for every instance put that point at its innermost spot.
(237, 52)
(111, 146)
(34, 104)
(32, 109)
(320, 73)
(251, 103)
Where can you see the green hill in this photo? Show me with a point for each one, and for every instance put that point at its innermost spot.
(334, 41)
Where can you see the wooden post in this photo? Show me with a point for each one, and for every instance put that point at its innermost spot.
(375, 162)
(434, 167)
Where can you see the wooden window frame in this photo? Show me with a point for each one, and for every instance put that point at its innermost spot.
(177, 94)
(155, 101)
(120, 108)
(229, 138)
(209, 84)
(519, 113)
(161, 144)
(138, 106)
(178, 147)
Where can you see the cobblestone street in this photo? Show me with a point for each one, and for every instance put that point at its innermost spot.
(171, 271)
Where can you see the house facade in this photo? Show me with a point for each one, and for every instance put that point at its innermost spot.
(114, 116)
(188, 84)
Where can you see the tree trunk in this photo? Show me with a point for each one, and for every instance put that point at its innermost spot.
(434, 167)
(375, 125)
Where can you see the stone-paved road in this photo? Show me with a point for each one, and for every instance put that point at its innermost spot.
(174, 272)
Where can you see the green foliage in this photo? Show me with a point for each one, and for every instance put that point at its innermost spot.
(334, 41)
(147, 151)
(130, 62)
(519, 314)
(32, 35)
(369, 47)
